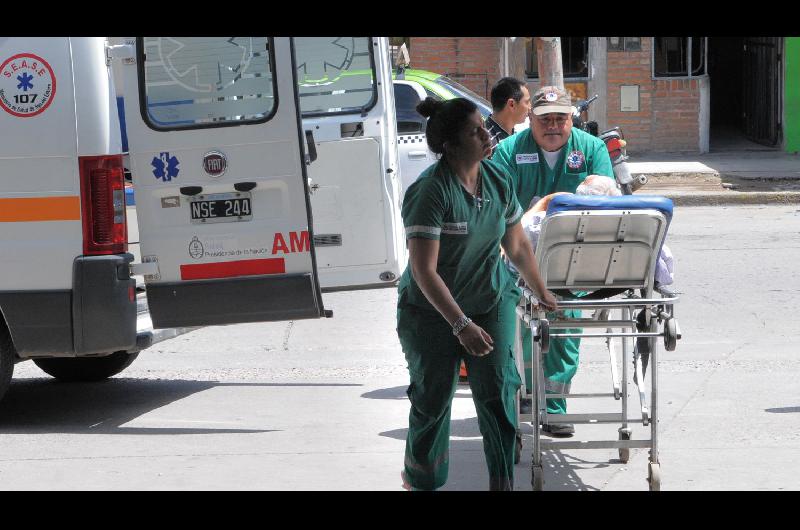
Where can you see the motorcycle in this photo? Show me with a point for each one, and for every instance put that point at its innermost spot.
(615, 143)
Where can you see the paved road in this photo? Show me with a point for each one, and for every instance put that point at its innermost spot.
(321, 405)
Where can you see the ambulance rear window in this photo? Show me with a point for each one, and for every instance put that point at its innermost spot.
(192, 82)
(336, 75)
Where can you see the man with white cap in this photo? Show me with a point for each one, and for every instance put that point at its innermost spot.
(551, 157)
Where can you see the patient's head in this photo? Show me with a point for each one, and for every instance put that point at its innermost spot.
(598, 185)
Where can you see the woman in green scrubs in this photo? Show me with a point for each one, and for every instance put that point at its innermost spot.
(457, 299)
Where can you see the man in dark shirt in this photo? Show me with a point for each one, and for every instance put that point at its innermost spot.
(511, 103)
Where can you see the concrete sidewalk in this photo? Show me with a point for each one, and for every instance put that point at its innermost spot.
(729, 177)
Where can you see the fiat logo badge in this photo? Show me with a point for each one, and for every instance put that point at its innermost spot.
(215, 163)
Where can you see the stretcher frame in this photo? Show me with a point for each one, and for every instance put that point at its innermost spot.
(613, 254)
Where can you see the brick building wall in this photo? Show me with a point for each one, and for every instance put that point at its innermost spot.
(669, 109)
(631, 68)
(475, 62)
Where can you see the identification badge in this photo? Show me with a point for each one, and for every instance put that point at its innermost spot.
(528, 158)
(454, 228)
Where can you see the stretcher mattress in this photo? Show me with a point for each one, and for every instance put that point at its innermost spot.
(569, 202)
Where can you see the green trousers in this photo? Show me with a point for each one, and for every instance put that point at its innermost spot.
(434, 355)
(560, 363)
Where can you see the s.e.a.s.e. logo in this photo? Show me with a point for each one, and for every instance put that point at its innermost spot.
(27, 85)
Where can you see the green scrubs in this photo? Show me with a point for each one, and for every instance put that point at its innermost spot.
(437, 207)
(533, 178)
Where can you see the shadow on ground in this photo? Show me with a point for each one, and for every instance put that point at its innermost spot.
(47, 406)
(399, 392)
(560, 469)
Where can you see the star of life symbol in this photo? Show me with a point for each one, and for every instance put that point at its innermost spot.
(24, 82)
(575, 159)
(166, 167)
(326, 59)
(233, 57)
(551, 96)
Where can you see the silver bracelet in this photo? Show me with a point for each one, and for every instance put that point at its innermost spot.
(460, 324)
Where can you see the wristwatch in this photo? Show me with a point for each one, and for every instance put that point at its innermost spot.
(460, 324)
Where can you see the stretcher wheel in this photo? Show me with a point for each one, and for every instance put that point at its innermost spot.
(544, 335)
(537, 478)
(670, 334)
(624, 452)
(654, 476)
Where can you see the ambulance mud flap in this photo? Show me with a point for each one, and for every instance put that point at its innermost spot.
(103, 304)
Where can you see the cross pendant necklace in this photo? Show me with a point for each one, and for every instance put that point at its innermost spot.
(477, 196)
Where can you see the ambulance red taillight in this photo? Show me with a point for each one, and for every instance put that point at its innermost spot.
(105, 230)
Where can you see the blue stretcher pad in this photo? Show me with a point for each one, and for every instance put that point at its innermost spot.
(570, 202)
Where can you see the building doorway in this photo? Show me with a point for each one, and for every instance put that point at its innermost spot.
(746, 80)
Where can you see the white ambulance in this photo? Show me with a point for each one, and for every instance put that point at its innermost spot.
(224, 196)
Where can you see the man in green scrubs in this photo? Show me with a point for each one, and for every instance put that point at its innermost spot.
(552, 156)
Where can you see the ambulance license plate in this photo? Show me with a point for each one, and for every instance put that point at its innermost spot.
(221, 208)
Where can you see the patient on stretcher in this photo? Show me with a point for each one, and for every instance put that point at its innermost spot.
(591, 185)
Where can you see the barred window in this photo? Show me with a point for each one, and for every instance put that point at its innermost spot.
(679, 56)
(574, 57)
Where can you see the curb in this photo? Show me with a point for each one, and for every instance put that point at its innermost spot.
(732, 198)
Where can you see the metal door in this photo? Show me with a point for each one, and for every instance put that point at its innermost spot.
(217, 161)
(762, 81)
(347, 104)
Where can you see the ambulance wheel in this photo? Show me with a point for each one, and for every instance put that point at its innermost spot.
(624, 452)
(654, 476)
(6, 360)
(86, 368)
(670, 334)
(537, 478)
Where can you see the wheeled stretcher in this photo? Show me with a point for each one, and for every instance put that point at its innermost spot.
(600, 253)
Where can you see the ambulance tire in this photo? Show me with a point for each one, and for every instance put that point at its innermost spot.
(86, 368)
(6, 359)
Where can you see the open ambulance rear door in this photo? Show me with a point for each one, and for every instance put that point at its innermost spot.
(347, 104)
(217, 160)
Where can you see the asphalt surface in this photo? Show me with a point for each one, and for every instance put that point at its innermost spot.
(321, 405)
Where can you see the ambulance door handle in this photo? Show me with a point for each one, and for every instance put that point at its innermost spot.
(244, 186)
(416, 155)
(191, 190)
(311, 151)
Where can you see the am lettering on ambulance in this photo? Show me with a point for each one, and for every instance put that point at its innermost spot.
(298, 242)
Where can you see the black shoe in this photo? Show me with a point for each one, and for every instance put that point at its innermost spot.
(559, 430)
